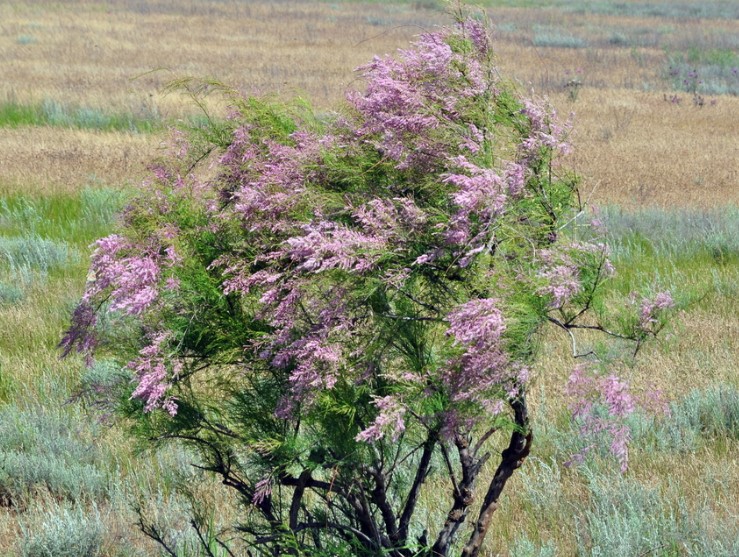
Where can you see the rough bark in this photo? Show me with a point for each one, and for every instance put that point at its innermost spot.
(511, 459)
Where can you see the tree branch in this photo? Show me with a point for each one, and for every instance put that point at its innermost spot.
(379, 498)
(463, 497)
(421, 473)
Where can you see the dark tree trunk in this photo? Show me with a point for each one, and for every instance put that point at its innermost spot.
(511, 459)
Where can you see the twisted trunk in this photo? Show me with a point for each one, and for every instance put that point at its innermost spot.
(511, 459)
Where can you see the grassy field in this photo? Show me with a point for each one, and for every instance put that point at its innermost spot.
(653, 86)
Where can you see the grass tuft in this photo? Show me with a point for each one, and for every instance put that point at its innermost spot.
(551, 37)
(76, 219)
(36, 253)
(688, 234)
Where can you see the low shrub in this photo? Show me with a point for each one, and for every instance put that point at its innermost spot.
(36, 253)
(10, 294)
(627, 518)
(524, 547)
(48, 450)
(703, 415)
(63, 531)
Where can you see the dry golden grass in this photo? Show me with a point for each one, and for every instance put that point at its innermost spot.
(44, 160)
(632, 147)
(635, 149)
(120, 54)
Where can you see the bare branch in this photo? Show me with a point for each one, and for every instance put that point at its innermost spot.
(485, 436)
(421, 473)
(203, 542)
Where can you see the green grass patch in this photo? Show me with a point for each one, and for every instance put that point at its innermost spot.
(52, 113)
(695, 254)
(693, 235)
(75, 219)
(551, 37)
(703, 71)
(681, 9)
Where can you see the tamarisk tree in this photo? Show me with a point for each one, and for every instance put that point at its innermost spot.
(331, 311)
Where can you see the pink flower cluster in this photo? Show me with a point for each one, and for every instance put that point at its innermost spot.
(389, 421)
(327, 245)
(409, 96)
(131, 279)
(314, 352)
(153, 376)
(651, 309)
(562, 278)
(483, 370)
(589, 392)
(546, 132)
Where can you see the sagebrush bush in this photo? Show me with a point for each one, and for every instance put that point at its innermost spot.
(552, 37)
(523, 547)
(35, 253)
(702, 416)
(10, 293)
(61, 531)
(627, 518)
(48, 450)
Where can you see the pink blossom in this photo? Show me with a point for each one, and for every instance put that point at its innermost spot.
(545, 132)
(514, 178)
(389, 420)
(478, 32)
(262, 490)
(326, 245)
(153, 377)
(409, 97)
(588, 391)
(81, 333)
(562, 284)
(483, 367)
(651, 309)
(480, 190)
(132, 280)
